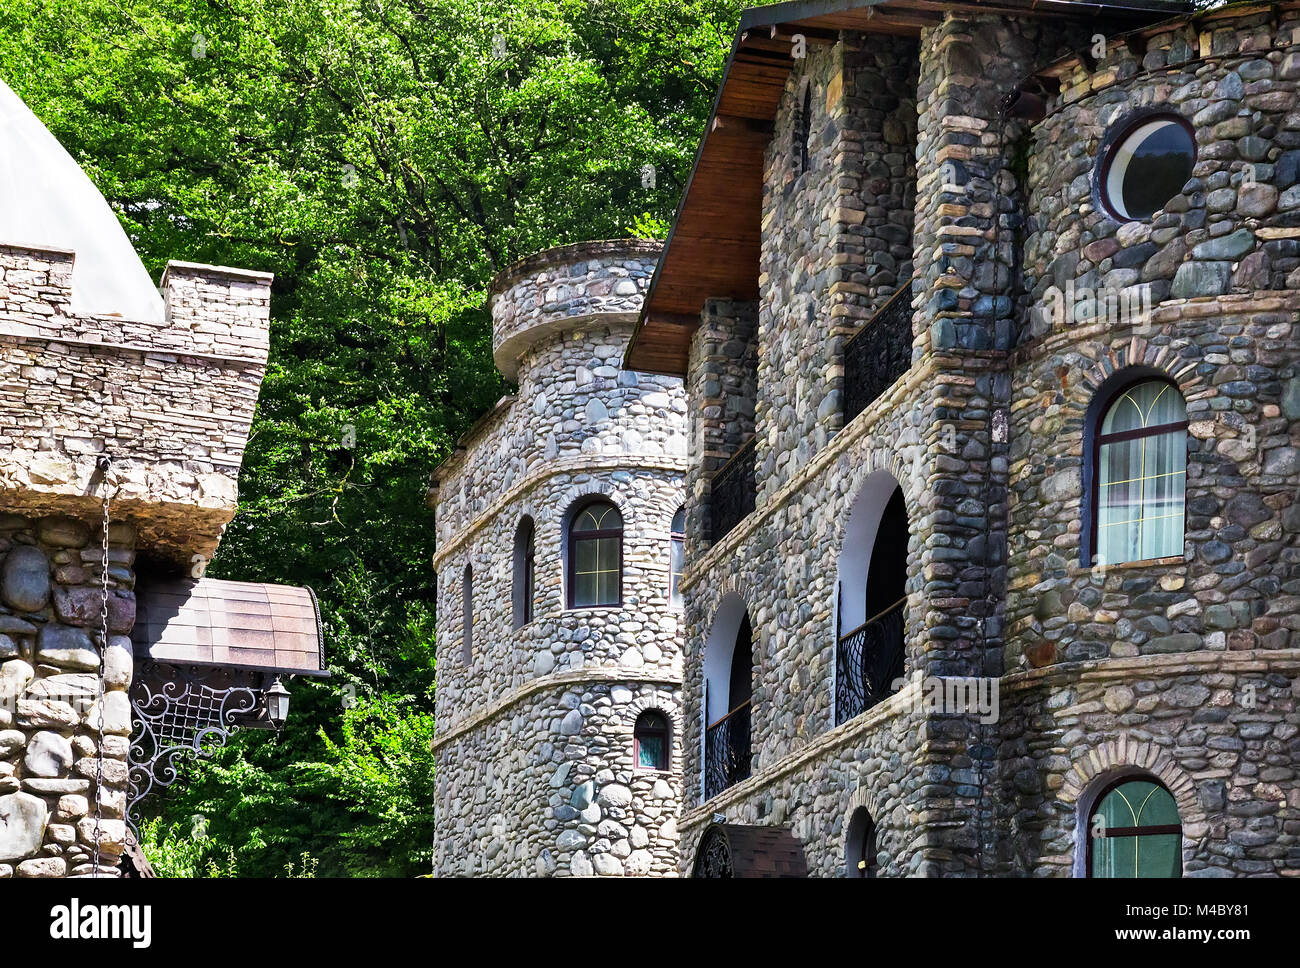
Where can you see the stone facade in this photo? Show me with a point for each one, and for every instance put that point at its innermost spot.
(171, 405)
(534, 746)
(1186, 669)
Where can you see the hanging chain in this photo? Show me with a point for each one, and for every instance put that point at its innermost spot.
(103, 652)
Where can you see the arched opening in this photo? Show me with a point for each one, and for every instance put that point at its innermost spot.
(524, 580)
(728, 691)
(595, 555)
(676, 557)
(870, 655)
(650, 741)
(1133, 829)
(713, 859)
(1136, 474)
(860, 846)
(467, 615)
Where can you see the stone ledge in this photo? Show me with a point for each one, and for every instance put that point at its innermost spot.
(582, 464)
(583, 676)
(1097, 670)
(859, 427)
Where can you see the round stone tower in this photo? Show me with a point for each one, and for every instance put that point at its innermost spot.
(559, 639)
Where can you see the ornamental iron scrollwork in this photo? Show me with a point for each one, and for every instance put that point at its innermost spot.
(879, 353)
(179, 713)
(733, 491)
(727, 751)
(868, 661)
(713, 859)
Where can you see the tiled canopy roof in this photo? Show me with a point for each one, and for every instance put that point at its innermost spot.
(759, 850)
(232, 624)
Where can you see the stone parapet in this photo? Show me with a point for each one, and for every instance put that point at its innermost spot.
(171, 403)
(565, 287)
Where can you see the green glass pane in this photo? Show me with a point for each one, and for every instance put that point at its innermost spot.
(1151, 855)
(651, 752)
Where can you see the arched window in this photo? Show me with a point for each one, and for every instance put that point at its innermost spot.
(467, 615)
(1140, 474)
(677, 557)
(523, 573)
(860, 846)
(728, 695)
(871, 649)
(596, 556)
(650, 741)
(1134, 831)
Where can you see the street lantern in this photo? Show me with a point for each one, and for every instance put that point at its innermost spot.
(277, 703)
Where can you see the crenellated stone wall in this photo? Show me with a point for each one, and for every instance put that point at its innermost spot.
(170, 405)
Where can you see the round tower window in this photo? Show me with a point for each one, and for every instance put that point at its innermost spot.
(1147, 166)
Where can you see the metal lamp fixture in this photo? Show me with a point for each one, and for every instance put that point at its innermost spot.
(277, 703)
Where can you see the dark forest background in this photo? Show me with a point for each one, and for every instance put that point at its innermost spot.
(384, 158)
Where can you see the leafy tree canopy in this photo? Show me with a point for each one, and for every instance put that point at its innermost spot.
(384, 158)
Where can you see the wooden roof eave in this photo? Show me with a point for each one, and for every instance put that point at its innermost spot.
(757, 44)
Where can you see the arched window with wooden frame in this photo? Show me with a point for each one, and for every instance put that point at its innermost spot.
(650, 749)
(1134, 831)
(596, 556)
(676, 557)
(1139, 473)
(524, 572)
(467, 615)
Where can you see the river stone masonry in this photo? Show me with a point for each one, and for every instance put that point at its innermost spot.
(534, 746)
(171, 404)
(1184, 669)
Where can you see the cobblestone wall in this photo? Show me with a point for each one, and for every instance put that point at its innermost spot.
(837, 237)
(1185, 670)
(49, 708)
(171, 405)
(534, 749)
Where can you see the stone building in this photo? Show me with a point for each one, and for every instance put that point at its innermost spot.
(124, 413)
(993, 380)
(559, 520)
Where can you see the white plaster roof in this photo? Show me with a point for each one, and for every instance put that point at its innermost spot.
(46, 200)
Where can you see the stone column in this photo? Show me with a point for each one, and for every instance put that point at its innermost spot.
(50, 717)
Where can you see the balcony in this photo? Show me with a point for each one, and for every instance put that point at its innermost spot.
(726, 751)
(879, 353)
(732, 492)
(867, 661)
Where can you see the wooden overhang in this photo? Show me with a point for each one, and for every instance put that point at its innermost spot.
(229, 624)
(713, 247)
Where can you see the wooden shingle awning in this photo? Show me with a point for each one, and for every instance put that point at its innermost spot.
(229, 624)
(712, 250)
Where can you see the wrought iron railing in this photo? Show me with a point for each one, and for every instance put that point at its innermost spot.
(867, 662)
(726, 751)
(732, 492)
(879, 353)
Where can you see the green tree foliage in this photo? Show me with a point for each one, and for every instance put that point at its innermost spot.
(384, 158)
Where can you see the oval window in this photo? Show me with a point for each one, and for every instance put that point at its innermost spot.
(1147, 167)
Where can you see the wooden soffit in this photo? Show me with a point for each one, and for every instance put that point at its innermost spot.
(713, 248)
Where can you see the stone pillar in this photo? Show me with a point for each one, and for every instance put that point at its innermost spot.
(50, 717)
(721, 388)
